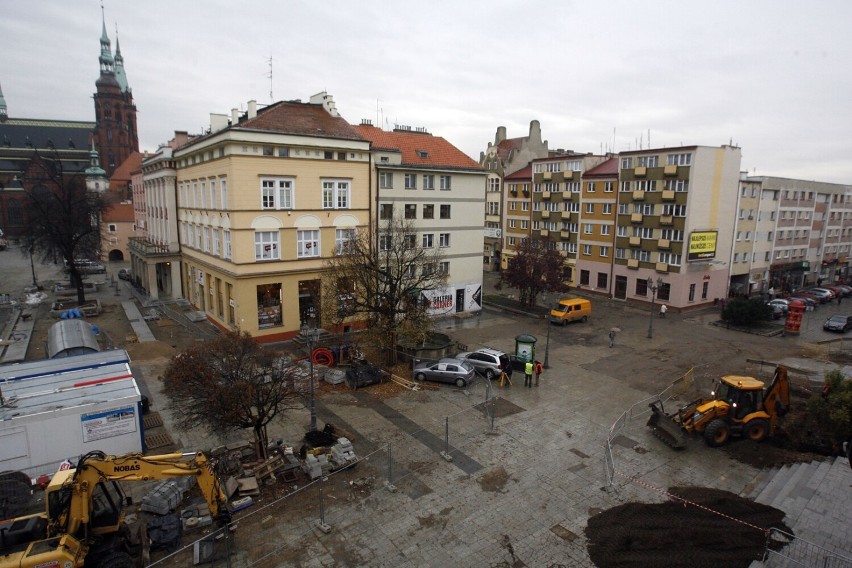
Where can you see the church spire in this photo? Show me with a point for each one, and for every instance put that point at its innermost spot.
(120, 75)
(106, 51)
(3, 110)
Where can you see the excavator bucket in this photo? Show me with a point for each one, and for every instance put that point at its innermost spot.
(665, 427)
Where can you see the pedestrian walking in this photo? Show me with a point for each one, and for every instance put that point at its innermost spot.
(528, 373)
(539, 369)
(663, 310)
(612, 339)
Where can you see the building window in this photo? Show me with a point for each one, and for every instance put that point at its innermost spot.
(386, 211)
(410, 211)
(308, 243)
(587, 250)
(266, 245)
(213, 193)
(445, 211)
(605, 230)
(664, 292)
(626, 163)
(428, 211)
(444, 240)
(385, 242)
(428, 240)
(216, 242)
(428, 181)
(604, 252)
(342, 237)
(206, 239)
(276, 193)
(602, 279)
(692, 292)
(588, 229)
(410, 181)
(223, 189)
(608, 187)
(410, 242)
(335, 194)
(444, 268)
(590, 187)
(112, 228)
(590, 208)
(226, 244)
(386, 180)
(446, 183)
(584, 278)
(704, 290)
(641, 287)
(607, 209)
(679, 159)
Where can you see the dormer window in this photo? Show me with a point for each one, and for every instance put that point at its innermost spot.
(422, 154)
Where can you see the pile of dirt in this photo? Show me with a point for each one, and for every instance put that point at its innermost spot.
(683, 534)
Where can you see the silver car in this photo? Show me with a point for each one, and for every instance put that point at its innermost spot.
(453, 371)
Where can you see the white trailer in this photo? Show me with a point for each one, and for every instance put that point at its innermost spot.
(52, 414)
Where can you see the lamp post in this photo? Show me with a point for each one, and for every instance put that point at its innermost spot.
(311, 334)
(547, 343)
(654, 286)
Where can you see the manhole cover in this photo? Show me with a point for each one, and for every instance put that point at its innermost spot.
(157, 440)
(152, 420)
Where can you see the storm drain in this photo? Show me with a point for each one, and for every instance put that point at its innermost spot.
(152, 420)
(155, 440)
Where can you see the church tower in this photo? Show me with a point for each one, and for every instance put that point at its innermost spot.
(115, 114)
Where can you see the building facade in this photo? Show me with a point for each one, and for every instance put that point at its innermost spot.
(262, 199)
(674, 227)
(428, 181)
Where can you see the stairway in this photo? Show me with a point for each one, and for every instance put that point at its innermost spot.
(815, 497)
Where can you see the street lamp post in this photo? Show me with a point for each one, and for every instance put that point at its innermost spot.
(654, 286)
(547, 343)
(311, 334)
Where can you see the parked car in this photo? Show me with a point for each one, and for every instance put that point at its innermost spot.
(839, 323)
(489, 363)
(453, 371)
(824, 294)
(777, 311)
(836, 290)
(808, 294)
(784, 305)
(124, 274)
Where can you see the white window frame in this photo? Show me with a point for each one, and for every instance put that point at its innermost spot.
(336, 194)
(410, 181)
(223, 189)
(267, 245)
(341, 239)
(443, 240)
(446, 183)
(277, 193)
(226, 244)
(308, 243)
(429, 181)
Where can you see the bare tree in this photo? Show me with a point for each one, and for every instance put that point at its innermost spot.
(231, 382)
(379, 277)
(63, 218)
(537, 267)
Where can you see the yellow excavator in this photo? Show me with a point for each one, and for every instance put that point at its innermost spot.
(739, 406)
(83, 524)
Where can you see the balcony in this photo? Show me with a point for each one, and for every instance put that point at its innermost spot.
(668, 195)
(640, 171)
(662, 267)
(632, 263)
(547, 176)
(664, 244)
(145, 248)
(670, 170)
(636, 217)
(635, 241)
(545, 195)
(666, 219)
(565, 234)
(639, 195)
(544, 233)
(545, 214)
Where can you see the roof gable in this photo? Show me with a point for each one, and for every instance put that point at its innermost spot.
(303, 119)
(419, 149)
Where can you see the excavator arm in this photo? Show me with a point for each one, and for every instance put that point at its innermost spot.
(776, 399)
(98, 468)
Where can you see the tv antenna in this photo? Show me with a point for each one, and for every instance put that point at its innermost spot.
(269, 76)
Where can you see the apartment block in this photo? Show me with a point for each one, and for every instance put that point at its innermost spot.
(596, 228)
(790, 233)
(434, 185)
(263, 198)
(675, 217)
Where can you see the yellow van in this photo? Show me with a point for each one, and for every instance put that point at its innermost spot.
(571, 309)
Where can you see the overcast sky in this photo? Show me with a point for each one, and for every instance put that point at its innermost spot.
(771, 76)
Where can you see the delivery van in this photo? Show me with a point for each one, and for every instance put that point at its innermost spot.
(571, 309)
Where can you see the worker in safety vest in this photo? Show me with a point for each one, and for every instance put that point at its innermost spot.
(528, 373)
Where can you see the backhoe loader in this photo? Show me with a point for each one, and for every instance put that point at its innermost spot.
(83, 525)
(739, 406)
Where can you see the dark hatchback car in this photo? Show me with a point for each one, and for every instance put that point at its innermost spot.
(453, 371)
(839, 323)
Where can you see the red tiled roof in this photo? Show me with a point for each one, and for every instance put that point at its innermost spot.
(302, 119)
(121, 176)
(505, 147)
(119, 213)
(608, 168)
(418, 148)
(524, 173)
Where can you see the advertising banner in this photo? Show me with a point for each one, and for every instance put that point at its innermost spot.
(702, 245)
(108, 423)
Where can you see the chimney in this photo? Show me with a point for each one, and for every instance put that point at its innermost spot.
(235, 116)
(218, 121)
(252, 108)
(366, 122)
